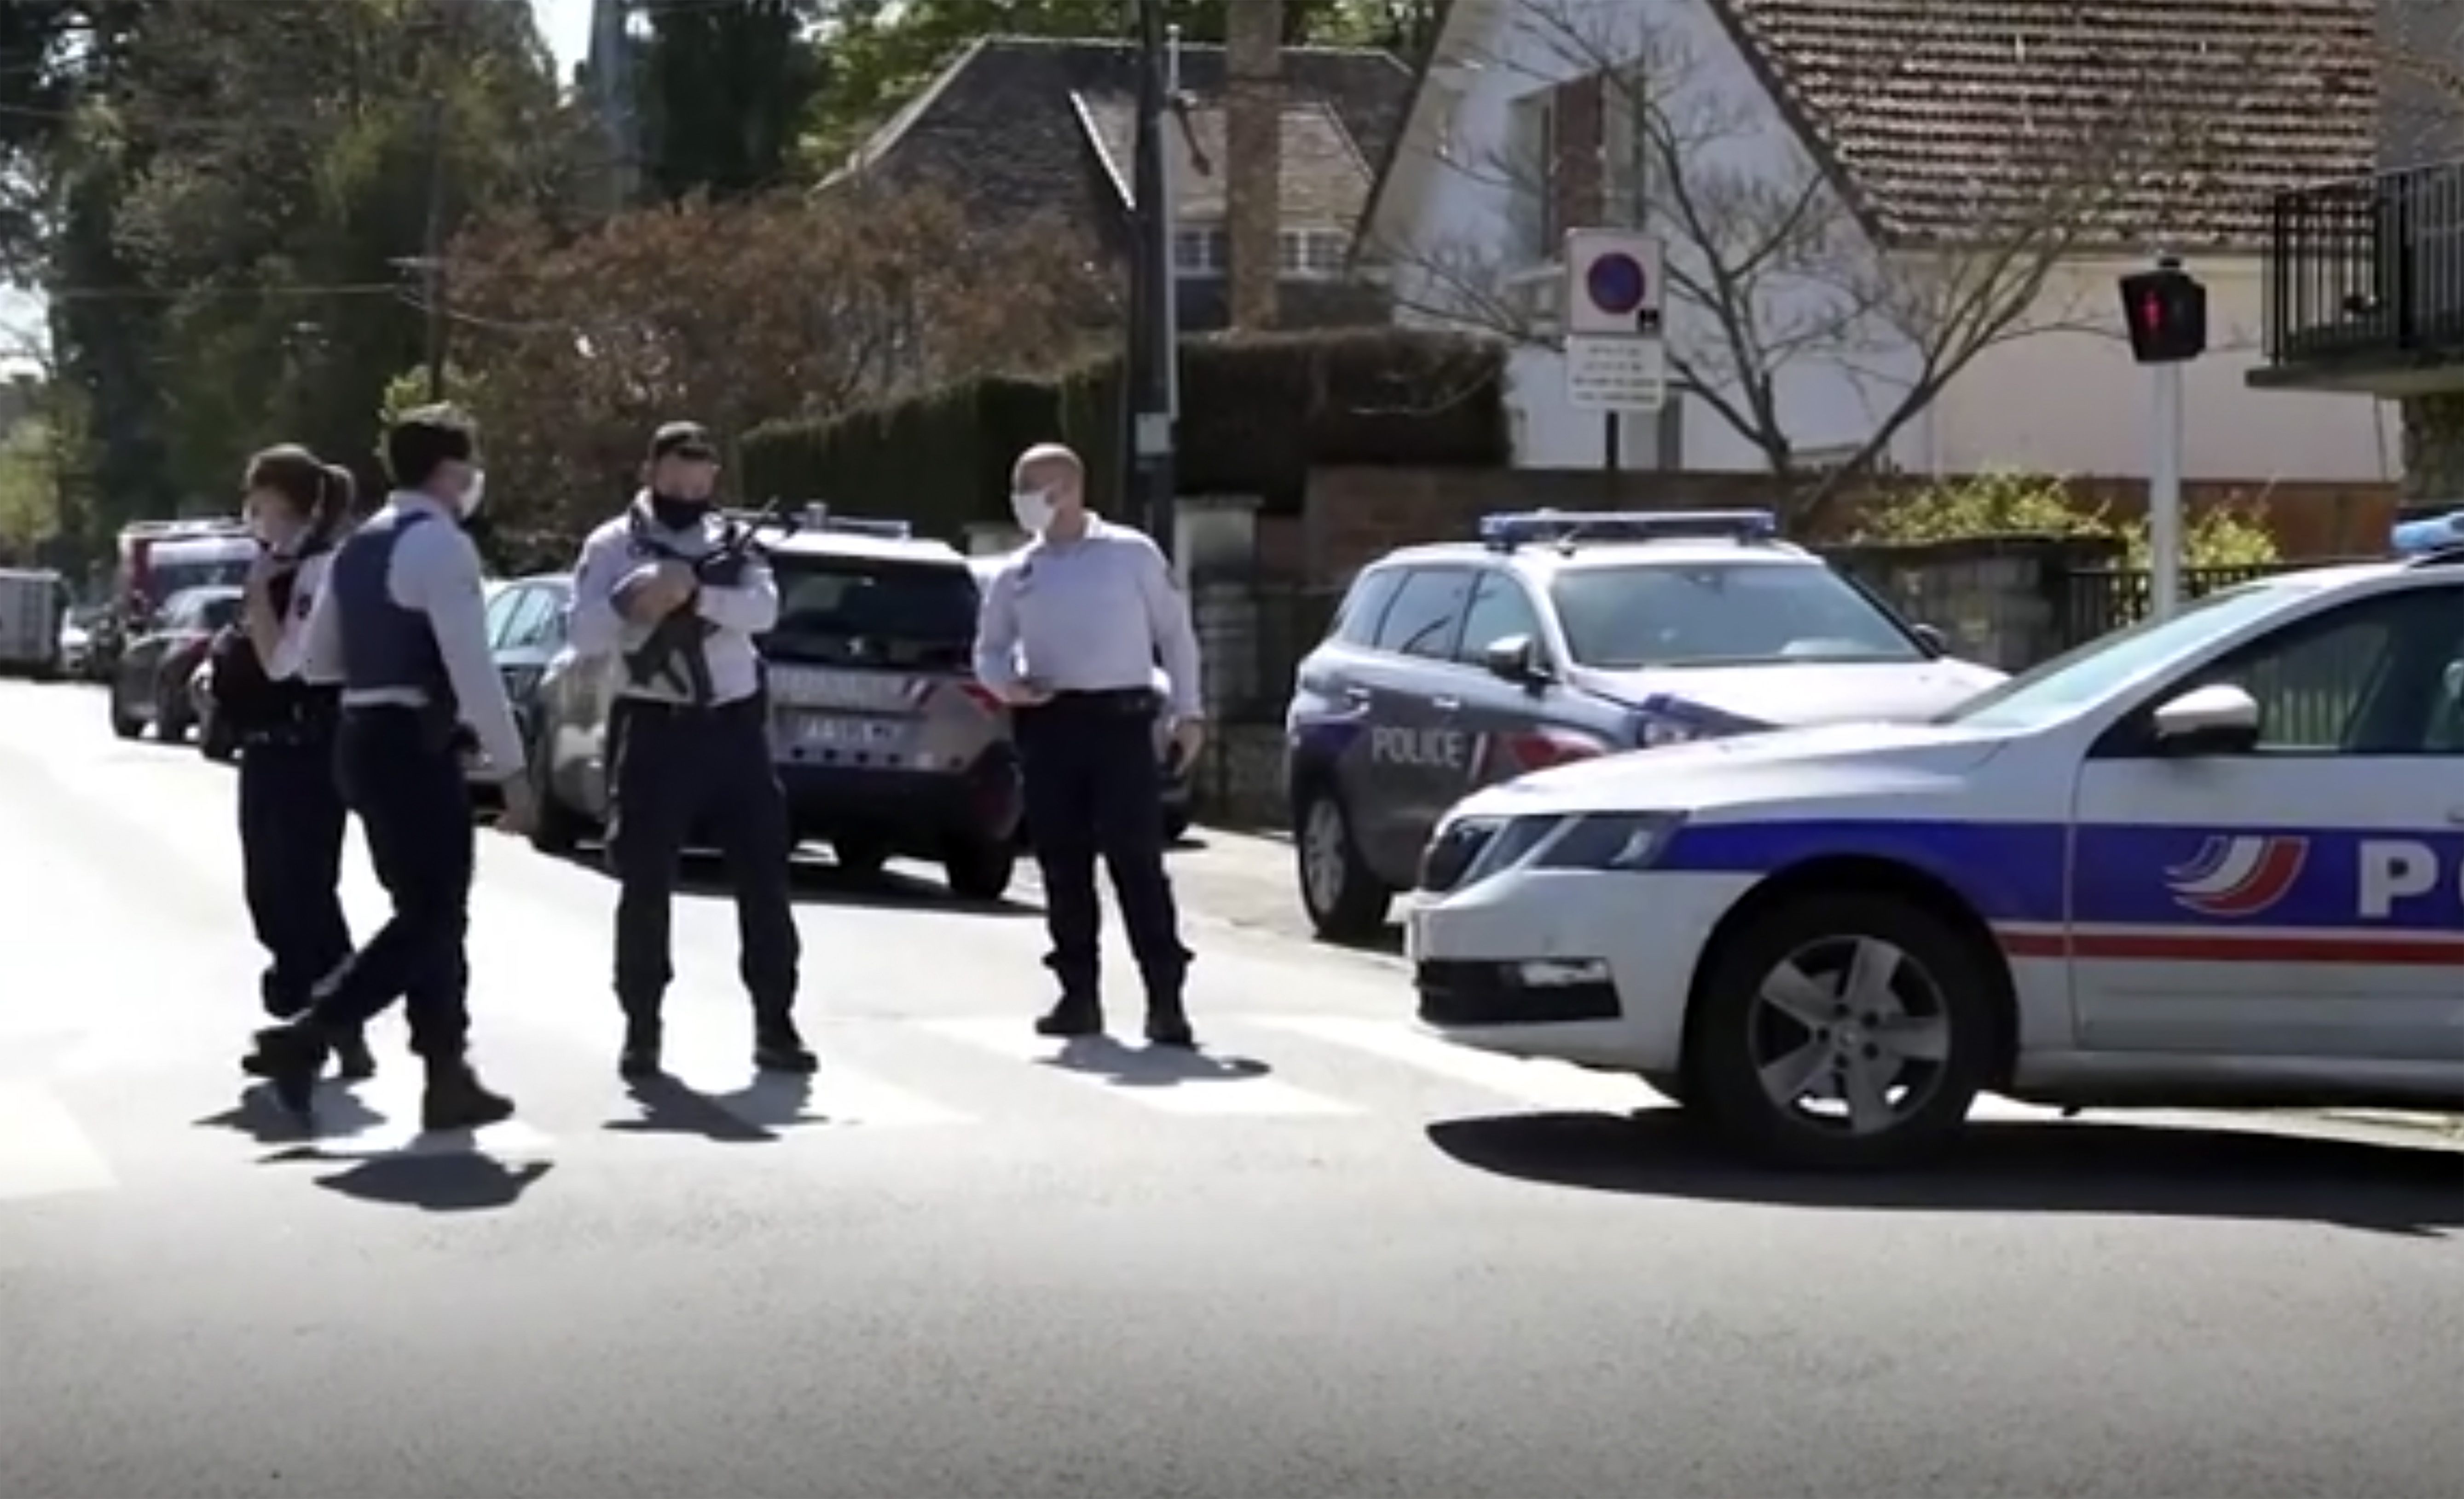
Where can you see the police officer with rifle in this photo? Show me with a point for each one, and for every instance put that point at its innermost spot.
(679, 592)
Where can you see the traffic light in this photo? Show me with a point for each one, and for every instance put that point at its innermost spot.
(2166, 311)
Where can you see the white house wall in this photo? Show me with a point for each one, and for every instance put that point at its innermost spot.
(2076, 403)
(1442, 210)
(2067, 403)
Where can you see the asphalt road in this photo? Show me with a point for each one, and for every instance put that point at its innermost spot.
(1329, 1262)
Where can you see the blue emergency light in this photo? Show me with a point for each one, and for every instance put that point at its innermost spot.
(1510, 529)
(2438, 533)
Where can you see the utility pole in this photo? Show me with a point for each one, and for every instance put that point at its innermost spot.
(431, 255)
(1154, 339)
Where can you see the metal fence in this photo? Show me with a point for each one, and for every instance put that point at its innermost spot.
(2094, 602)
(2366, 266)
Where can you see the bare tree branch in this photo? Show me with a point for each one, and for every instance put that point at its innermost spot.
(1767, 270)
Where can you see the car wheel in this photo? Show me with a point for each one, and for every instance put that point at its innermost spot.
(1175, 824)
(1344, 899)
(1842, 1032)
(124, 724)
(559, 829)
(862, 857)
(980, 871)
(215, 741)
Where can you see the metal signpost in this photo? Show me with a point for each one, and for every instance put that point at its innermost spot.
(1615, 363)
(2166, 311)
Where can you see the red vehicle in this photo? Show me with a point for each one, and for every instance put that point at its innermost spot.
(162, 558)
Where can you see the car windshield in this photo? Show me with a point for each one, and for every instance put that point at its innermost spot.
(2091, 673)
(1722, 614)
(852, 612)
(172, 577)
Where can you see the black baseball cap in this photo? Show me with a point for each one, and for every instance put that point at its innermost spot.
(684, 439)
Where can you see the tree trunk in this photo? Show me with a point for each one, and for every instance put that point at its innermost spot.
(2433, 449)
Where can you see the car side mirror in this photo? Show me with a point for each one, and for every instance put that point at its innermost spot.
(1935, 642)
(1514, 657)
(2214, 720)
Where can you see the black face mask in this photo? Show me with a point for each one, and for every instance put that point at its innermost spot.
(676, 513)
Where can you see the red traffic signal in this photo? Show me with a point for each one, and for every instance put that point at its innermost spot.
(2167, 313)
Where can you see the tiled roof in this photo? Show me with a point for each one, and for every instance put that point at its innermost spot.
(1324, 184)
(2167, 122)
(1001, 125)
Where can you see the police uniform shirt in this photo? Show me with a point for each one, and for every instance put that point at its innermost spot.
(1093, 614)
(435, 570)
(735, 613)
(290, 659)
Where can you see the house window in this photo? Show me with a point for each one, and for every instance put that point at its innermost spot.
(1201, 253)
(1313, 253)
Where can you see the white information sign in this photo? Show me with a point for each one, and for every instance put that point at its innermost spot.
(1615, 359)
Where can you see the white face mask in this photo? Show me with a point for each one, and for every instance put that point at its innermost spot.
(1033, 510)
(471, 497)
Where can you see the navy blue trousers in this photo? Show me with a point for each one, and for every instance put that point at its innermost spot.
(292, 822)
(683, 772)
(400, 773)
(1094, 791)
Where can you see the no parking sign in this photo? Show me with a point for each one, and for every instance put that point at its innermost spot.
(1615, 359)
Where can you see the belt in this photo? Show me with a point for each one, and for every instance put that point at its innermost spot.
(1127, 702)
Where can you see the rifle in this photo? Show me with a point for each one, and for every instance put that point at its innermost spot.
(673, 649)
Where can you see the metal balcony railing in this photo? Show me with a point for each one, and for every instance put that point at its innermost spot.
(2366, 268)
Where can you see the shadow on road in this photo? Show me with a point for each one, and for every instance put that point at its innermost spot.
(257, 1115)
(816, 881)
(1150, 1066)
(436, 1183)
(753, 1114)
(2148, 1171)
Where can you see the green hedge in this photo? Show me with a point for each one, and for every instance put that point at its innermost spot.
(1258, 412)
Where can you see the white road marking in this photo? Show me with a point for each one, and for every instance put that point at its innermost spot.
(1554, 1086)
(44, 1151)
(722, 1071)
(1178, 1083)
(380, 1117)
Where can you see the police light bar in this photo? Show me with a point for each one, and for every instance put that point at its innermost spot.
(817, 517)
(1513, 527)
(2416, 537)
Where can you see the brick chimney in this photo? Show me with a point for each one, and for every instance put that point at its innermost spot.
(1253, 141)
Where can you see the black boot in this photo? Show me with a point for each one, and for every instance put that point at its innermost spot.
(638, 1058)
(456, 1099)
(1168, 1023)
(779, 1048)
(353, 1062)
(1077, 1015)
(290, 1056)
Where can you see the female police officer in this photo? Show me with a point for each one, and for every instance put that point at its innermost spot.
(291, 812)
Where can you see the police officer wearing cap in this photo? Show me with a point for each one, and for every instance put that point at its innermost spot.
(291, 819)
(673, 589)
(402, 622)
(1071, 628)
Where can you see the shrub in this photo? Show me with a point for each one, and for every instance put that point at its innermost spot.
(2014, 504)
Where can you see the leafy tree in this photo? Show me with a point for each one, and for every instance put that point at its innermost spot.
(733, 314)
(725, 89)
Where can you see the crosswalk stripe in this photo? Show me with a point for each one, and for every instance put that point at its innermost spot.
(1183, 1084)
(721, 1072)
(1554, 1086)
(44, 1150)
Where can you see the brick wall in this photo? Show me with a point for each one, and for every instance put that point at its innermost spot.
(1352, 515)
(1253, 157)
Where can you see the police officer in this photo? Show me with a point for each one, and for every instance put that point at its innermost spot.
(673, 588)
(402, 621)
(291, 813)
(1072, 629)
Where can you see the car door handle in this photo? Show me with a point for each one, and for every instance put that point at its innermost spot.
(1446, 704)
(2455, 815)
(1357, 696)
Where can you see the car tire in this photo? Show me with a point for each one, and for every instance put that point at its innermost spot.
(1344, 897)
(860, 857)
(1175, 825)
(559, 829)
(980, 870)
(123, 724)
(1942, 987)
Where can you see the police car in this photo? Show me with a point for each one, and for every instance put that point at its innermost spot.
(884, 743)
(1560, 637)
(2211, 861)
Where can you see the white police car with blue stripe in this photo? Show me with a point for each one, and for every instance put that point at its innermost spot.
(2215, 860)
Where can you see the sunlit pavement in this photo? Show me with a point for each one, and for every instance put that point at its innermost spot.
(1333, 1260)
